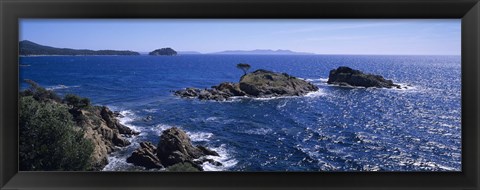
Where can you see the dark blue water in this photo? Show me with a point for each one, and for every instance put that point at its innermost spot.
(334, 129)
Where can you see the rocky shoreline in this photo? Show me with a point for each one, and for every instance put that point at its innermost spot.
(103, 129)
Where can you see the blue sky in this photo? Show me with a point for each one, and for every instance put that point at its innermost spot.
(322, 36)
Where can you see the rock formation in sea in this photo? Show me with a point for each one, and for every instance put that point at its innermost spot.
(259, 84)
(174, 147)
(346, 76)
(145, 156)
(163, 51)
(104, 130)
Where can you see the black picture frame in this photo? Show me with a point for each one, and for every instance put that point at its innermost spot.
(12, 10)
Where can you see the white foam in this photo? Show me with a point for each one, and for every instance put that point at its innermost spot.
(128, 117)
(160, 128)
(150, 110)
(314, 94)
(61, 86)
(406, 87)
(281, 105)
(259, 131)
(114, 164)
(317, 80)
(199, 136)
(224, 158)
(212, 118)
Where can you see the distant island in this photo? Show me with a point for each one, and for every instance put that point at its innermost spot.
(27, 48)
(163, 51)
(263, 52)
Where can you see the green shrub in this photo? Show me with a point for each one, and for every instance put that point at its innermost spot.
(39, 93)
(49, 139)
(76, 101)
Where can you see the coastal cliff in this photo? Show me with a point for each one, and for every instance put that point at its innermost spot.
(66, 134)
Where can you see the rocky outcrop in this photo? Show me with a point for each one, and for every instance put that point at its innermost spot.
(263, 83)
(104, 130)
(175, 147)
(260, 83)
(220, 93)
(345, 76)
(145, 156)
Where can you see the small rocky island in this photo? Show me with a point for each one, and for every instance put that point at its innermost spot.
(346, 76)
(175, 147)
(258, 84)
(163, 52)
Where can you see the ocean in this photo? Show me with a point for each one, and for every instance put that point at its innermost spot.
(333, 129)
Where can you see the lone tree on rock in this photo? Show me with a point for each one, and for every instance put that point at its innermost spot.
(244, 67)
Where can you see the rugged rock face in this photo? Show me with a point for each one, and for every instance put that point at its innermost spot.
(175, 147)
(261, 83)
(345, 76)
(145, 156)
(105, 132)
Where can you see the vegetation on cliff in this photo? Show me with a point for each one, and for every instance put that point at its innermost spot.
(66, 134)
(49, 139)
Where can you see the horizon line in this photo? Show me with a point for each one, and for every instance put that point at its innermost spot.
(223, 52)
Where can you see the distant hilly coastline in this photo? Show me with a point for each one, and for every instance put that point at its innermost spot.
(28, 48)
(263, 52)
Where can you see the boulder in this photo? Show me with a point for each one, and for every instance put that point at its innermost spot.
(176, 147)
(260, 83)
(145, 156)
(346, 76)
